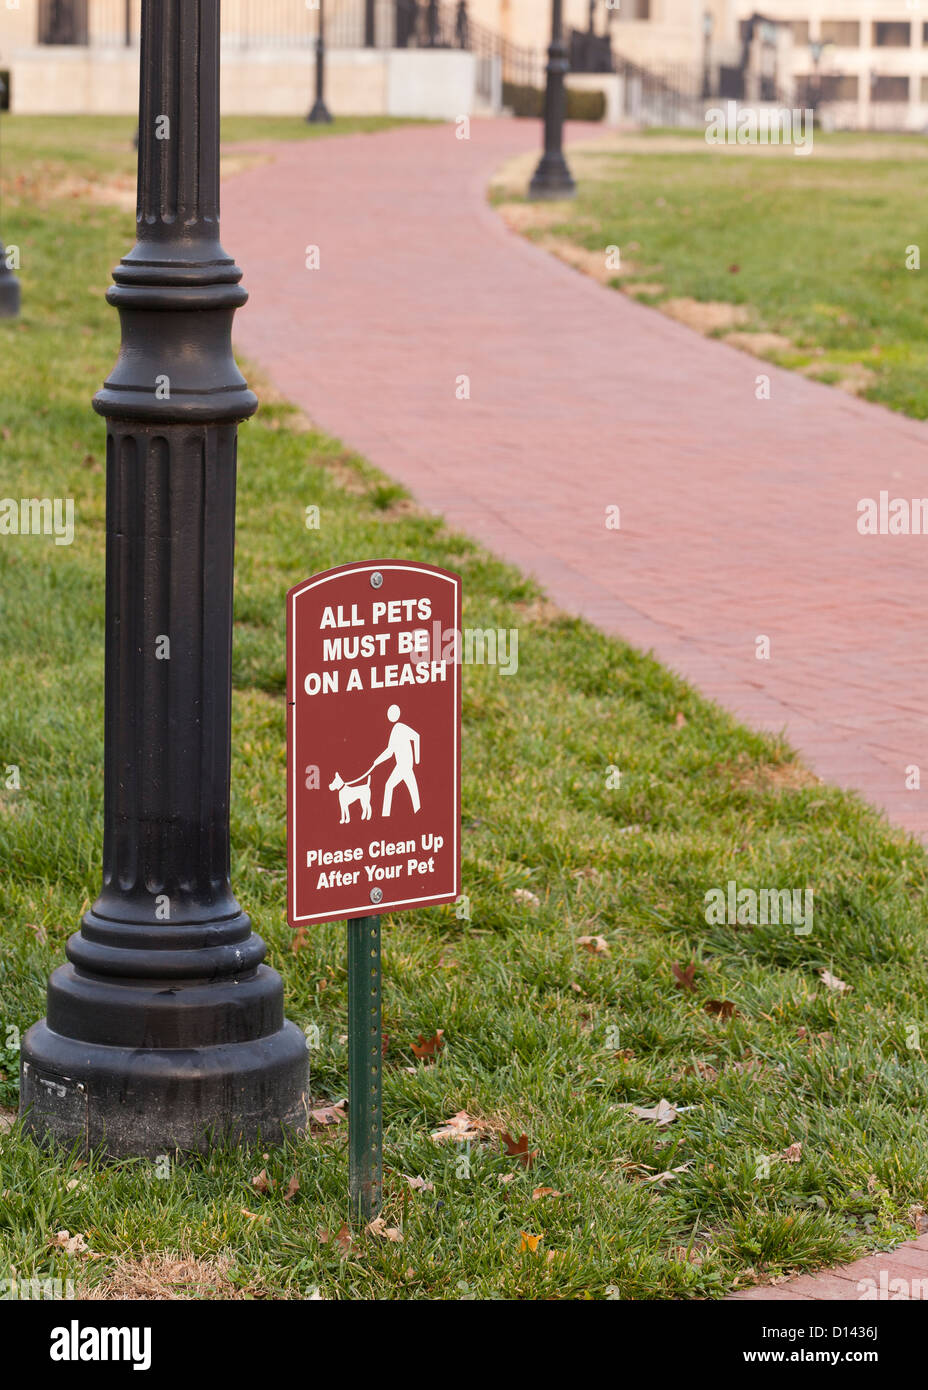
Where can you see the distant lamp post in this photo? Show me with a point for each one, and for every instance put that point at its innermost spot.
(707, 27)
(552, 178)
(9, 285)
(816, 49)
(432, 23)
(320, 114)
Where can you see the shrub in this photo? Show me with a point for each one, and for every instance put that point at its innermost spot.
(530, 101)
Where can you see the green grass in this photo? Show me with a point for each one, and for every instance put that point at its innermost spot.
(543, 1037)
(93, 145)
(812, 246)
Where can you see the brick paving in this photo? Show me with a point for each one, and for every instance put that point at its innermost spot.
(738, 515)
(900, 1274)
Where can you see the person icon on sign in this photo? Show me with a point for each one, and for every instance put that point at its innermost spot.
(404, 748)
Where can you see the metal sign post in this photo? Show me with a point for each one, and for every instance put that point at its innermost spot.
(365, 1068)
(373, 767)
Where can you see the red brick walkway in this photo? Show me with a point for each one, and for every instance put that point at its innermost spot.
(900, 1274)
(738, 516)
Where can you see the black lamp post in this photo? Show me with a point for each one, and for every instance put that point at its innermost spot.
(431, 18)
(9, 285)
(320, 114)
(370, 25)
(165, 1029)
(552, 177)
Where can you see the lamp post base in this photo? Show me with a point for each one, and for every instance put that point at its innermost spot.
(320, 115)
(552, 179)
(163, 1061)
(9, 295)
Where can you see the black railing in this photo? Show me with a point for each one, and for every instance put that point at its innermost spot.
(252, 24)
(63, 21)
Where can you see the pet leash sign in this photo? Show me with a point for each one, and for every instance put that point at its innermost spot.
(374, 740)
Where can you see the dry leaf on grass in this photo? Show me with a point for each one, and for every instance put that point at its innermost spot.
(679, 720)
(379, 1227)
(540, 1192)
(596, 945)
(293, 1187)
(342, 1238)
(518, 1148)
(670, 1175)
(71, 1245)
(722, 1008)
(261, 1182)
(662, 1114)
(429, 1047)
(460, 1128)
(529, 1242)
(329, 1114)
(7, 1120)
(792, 1154)
(255, 1216)
(832, 982)
(522, 895)
(420, 1184)
(684, 978)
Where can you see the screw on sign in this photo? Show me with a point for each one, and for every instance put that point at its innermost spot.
(374, 775)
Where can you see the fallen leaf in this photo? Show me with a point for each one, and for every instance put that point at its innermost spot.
(262, 1182)
(300, 939)
(540, 1192)
(71, 1245)
(703, 1070)
(329, 1114)
(420, 1184)
(529, 1242)
(793, 1154)
(518, 1148)
(723, 1008)
(662, 1114)
(459, 1128)
(596, 945)
(670, 1175)
(679, 720)
(832, 982)
(379, 1227)
(428, 1047)
(522, 895)
(684, 978)
(254, 1216)
(506, 1177)
(293, 1187)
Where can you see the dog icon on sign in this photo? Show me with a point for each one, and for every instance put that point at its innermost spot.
(348, 793)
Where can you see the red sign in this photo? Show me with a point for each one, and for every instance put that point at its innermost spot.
(373, 740)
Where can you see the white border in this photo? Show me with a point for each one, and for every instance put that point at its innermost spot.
(364, 910)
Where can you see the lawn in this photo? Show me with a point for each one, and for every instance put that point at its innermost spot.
(603, 800)
(815, 252)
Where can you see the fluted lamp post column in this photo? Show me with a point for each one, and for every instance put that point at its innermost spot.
(552, 178)
(165, 1029)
